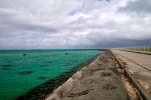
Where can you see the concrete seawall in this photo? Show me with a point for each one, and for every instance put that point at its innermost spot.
(93, 82)
(110, 73)
(65, 88)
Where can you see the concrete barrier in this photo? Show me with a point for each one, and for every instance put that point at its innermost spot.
(58, 91)
(67, 86)
(53, 97)
(77, 75)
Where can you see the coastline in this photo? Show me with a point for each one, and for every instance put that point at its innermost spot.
(42, 91)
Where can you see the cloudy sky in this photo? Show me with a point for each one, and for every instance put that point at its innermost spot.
(49, 24)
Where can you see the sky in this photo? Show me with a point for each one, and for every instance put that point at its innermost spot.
(74, 24)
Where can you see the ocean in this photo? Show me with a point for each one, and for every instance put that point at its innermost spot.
(23, 70)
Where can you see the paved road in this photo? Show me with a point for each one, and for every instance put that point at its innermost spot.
(141, 59)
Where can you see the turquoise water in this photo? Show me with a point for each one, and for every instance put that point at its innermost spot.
(20, 73)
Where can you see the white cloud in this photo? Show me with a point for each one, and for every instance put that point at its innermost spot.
(72, 23)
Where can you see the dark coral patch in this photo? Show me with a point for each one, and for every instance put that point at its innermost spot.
(66, 53)
(24, 54)
(8, 60)
(6, 67)
(47, 62)
(25, 72)
(42, 77)
(18, 59)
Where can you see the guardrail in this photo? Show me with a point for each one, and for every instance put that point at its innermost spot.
(137, 48)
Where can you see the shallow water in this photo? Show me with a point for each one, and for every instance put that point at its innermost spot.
(20, 73)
